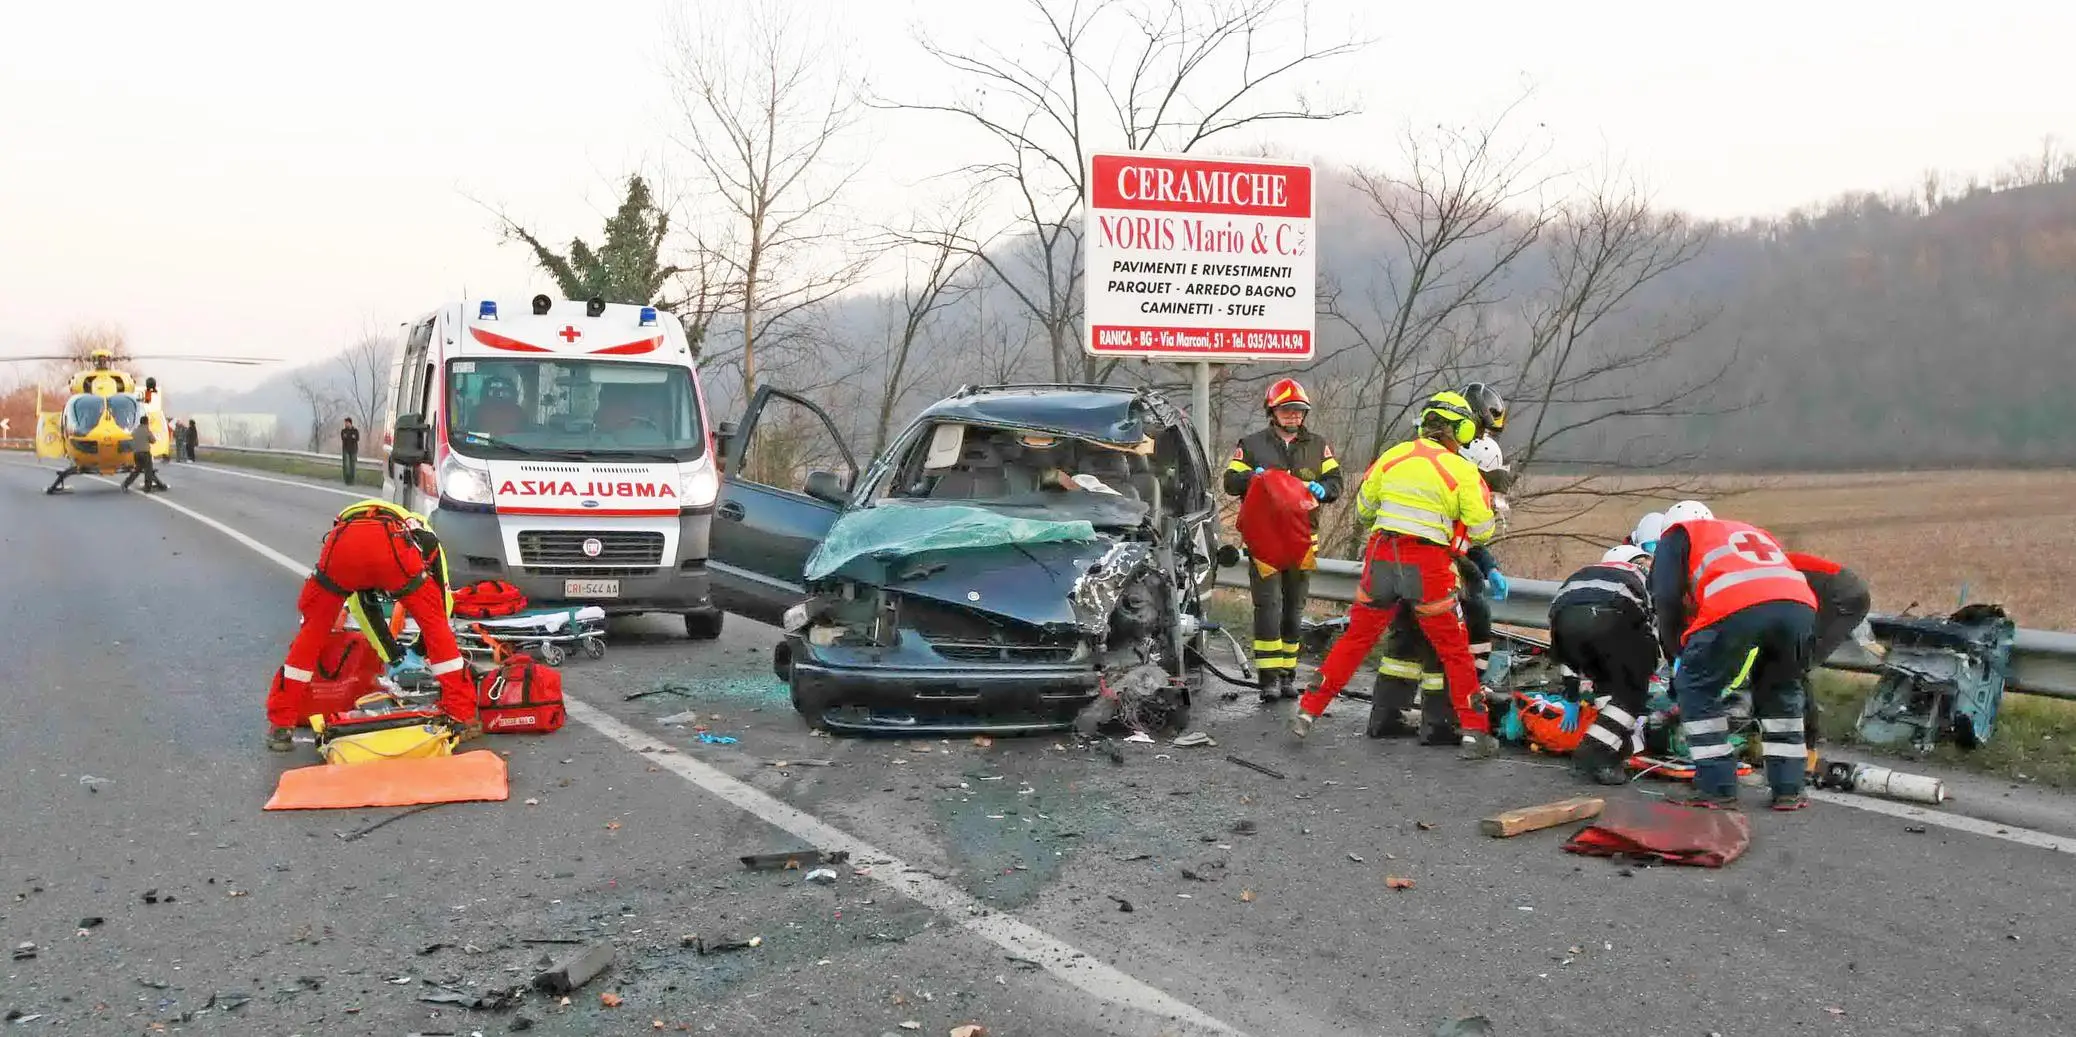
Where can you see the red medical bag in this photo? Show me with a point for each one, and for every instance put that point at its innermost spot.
(1276, 520)
(520, 696)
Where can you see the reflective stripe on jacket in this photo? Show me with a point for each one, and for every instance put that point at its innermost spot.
(1735, 565)
(1420, 489)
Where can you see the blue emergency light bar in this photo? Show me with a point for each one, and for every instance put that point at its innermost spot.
(488, 311)
(648, 315)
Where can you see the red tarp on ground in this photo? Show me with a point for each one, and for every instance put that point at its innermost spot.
(1672, 833)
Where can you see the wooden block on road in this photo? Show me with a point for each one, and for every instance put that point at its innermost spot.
(1534, 819)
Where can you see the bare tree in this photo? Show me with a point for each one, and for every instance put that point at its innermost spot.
(365, 368)
(1453, 223)
(325, 405)
(1170, 75)
(1596, 369)
(766, 101)
(933, 278)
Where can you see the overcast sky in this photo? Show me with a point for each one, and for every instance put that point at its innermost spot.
(264, 179)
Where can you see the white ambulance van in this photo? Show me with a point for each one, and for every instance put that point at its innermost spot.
(562, 447)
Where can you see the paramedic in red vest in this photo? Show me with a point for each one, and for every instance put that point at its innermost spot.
(1843, 601)
(1425, 504)
(373, 546)
(1600, 629)
(1721, 590)
(1279, 597)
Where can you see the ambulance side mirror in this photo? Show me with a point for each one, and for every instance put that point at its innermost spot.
(412, 445)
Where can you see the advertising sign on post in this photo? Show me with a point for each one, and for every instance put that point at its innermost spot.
(1200, 258)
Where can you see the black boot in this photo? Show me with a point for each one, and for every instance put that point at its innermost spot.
(1593, 762)
(1290, 688)
(1389, 700)
(1270, 685)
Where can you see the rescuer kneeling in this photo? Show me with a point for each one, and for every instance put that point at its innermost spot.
(374, 547)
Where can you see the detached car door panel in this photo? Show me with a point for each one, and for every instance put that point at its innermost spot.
(767, 523)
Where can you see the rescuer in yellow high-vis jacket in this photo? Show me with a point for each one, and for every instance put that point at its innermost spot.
(1425, 505)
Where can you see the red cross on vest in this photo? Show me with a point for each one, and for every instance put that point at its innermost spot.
(1753, 547)
(570, 333)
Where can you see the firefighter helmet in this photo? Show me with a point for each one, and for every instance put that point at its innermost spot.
(1284, 393)
(1487, 407)
(1450, 412)
(1687, 511)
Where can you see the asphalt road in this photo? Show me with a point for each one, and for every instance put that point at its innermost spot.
(142, 639)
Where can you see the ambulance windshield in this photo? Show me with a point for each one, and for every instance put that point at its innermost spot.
(513, 408)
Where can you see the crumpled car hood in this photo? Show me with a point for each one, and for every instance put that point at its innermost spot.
(1027, 583)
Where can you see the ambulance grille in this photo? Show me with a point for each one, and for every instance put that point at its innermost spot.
(566, 469)
(563, 547)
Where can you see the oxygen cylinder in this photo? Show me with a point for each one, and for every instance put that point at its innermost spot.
(1881, 781)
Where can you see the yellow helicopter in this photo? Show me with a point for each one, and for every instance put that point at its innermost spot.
(93, 429)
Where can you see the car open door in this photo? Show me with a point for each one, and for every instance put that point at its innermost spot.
(787, 474)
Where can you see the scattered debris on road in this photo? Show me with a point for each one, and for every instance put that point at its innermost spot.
(1123, 905)
(575, 971)
(791, 859)
(1469, 1026)
(391, 819)
(724, 944)
(822, 876)
(24, 951)
(1252, 766)
(1536, 818)
(1194, 738)
(660, 689)
(1396, 882)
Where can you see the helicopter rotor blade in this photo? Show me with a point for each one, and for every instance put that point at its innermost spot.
(251, 361)
(31, 359)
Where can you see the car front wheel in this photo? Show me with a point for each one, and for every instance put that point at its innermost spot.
(704, 626)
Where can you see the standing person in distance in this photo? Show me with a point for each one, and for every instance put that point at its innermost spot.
(349, 450)
(1723, 591)
(1600, 628)
(1279, 597)
(1425, 505)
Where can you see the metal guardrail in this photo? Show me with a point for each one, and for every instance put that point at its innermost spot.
(313, 455)
(2043, 662)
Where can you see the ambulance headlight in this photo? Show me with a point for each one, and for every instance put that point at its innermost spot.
(698, 486)
(460, 482)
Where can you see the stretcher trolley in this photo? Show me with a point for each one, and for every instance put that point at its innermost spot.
(548, 634)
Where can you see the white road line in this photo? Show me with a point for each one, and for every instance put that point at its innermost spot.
(1957, 822)
(297, 483)
(1074, 967)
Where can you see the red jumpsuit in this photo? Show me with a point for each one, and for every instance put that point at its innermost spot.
(371, 550)
(1400, 571)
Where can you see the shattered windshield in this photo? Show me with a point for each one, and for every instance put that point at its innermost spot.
(901, 529)
(512, 408)
(1024, 474)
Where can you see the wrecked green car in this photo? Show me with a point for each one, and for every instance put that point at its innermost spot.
(1018, 558)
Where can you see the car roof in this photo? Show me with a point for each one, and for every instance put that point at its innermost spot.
(1105, 413)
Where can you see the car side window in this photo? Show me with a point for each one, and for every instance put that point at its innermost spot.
(788, 443)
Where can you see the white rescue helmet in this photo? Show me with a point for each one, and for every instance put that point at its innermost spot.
(1648, 529)
(1687, 511)
(1626, 554)
(1484, 452)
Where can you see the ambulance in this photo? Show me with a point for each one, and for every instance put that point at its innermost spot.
(562, 447)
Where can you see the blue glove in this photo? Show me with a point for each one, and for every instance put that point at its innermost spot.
(1258, 470)
(1498, 582)
(1571, 717)
(1318, 489)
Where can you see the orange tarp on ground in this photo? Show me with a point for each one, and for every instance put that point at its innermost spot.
(471, 776)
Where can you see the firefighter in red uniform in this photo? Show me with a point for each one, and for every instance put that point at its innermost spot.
(373, 547)
(1279, 597)
(1425, 505)
(1720, 591)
